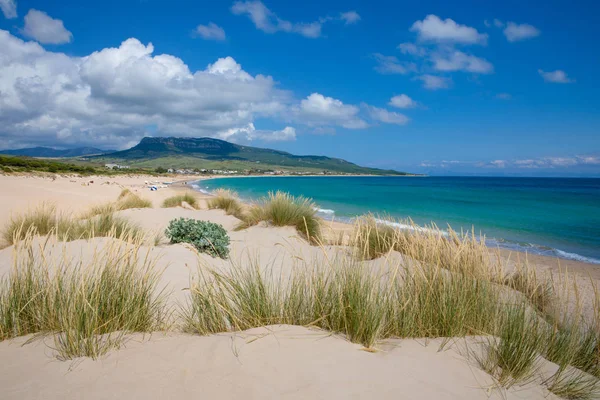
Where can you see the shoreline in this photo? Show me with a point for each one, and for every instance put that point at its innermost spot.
(554, 263)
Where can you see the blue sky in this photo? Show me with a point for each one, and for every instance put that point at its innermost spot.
(463, 87)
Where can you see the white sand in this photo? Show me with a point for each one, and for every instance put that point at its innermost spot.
(277, 362)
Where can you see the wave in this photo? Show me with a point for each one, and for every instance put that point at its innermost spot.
(537, 249)
(324, 211)
(409, 227)
(523, 247)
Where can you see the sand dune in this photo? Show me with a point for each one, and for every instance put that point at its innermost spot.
(288, 362)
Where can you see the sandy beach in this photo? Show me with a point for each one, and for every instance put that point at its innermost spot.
(282, 361)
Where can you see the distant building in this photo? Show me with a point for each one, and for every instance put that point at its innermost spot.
(116, 166)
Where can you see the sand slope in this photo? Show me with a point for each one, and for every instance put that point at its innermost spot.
(280, 362)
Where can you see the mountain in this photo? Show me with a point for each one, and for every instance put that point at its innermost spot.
(212, 153)
(48, 152)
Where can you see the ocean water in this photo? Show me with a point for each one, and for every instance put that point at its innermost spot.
(549, 216)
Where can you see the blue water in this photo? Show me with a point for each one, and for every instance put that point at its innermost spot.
(550, 216)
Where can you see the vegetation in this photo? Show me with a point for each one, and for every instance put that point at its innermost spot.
(206, 237)
(227, 201)
(283, 209)
(15, 164)
(45, 220)
(88, 308)
(209, 153)
(126, 200)
(426, 295)
(177, 201)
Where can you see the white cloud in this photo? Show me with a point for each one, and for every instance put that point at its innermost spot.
(412, 49)
(350, 17)
(115, 96)
(388, 117)
(268, 22)
(249, 133)
(402, 101)
(434, 29)
(45, 29)
(211, 31)
(557, 76)
(9, 8)
(433, 82)
(498, 23)
(317, 109)
(516, 32)
(391, 65)
(459, 61)
(498, 163)
(504, 96)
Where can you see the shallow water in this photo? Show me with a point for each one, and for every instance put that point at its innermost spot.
(550, 216)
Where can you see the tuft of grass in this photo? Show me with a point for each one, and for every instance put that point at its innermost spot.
(513, 356)
(40, 221)
(226, 200)
(283, 209)
(124, 193)
(539, 292)
(132, 200)
(45, 220)
(88, 308)
(574, 384)
(464, 253)
(176, 201)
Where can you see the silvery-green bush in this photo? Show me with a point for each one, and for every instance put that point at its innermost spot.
(205, 236)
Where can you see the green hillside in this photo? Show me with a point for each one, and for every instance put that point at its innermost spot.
(209, 153)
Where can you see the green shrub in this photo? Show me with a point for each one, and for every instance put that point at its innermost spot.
(206, 237)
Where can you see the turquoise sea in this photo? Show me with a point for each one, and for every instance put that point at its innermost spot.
(550, 216)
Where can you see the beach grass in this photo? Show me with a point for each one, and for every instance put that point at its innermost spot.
(87, 308)
(574, 384)
(126, 200)
(283, 209)
(45, 219)
(178, 200)
(228, 201)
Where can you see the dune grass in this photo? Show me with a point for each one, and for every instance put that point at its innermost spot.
(177, 201)
(126, 200)
(45, 220)
(283, 209)
(464, 253)
(226, 200)
(443, 294)
(88, 307)
(574, 384)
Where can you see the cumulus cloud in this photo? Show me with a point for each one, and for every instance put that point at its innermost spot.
(459, 61)
(9, 8)
(385, 116)
(45, 29)
(434, 29)
(516, 32)
(114, 96)
(267, 21)
(402, 101)
(557, 76)
(248, 133)
(211, 31)
(350, 17)
(389, 65)
(434, 82)
(317, 109)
